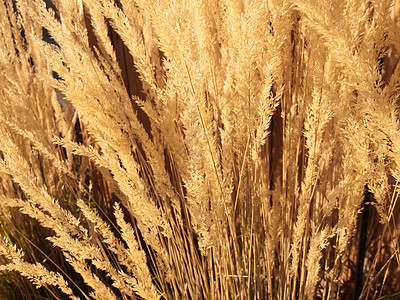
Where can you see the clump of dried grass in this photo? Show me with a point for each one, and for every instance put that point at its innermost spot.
(199, 149)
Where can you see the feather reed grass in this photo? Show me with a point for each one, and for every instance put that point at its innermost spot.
(199, 149)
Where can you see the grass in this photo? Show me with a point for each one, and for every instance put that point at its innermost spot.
(199, 149)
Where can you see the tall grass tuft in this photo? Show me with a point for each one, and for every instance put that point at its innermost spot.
(199, 149)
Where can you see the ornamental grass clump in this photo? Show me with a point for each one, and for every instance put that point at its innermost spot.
(199, 149)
